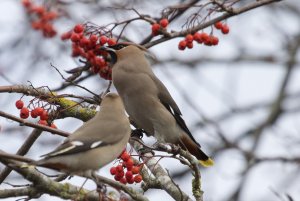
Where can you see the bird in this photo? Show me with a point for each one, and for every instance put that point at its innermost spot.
(96, 143)
(147, 100)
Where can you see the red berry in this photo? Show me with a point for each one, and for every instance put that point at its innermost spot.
(123, 180)
(40, 10)
(39, 111)
(99, 61)
(24, 113)
(36, 25)
(128, 175)
(113, 170)
(204, 37)
(214, 40)
(225, 29)
(51, 15)
(135, 169)
(26, 3)
(182, 45)
(43, 122)
(129, 163)
(117, 177)
(131, 180)
(138, 178)
(218, 25)
(79, 28)
(95, 69)
(75, 37)
(53, 126)
(197, 37)
(111, 41)
(93, 38)
(66, 35)
(120, 174)
(189, 38)
(125, 156)
(103, 39)
(190, 45)
(164, 22)
(19, 104)
(84, 42)
(155, 29)
(44, 115)
(33, 113)
(119, 168)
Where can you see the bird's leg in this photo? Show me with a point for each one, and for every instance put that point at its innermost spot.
(101, 188)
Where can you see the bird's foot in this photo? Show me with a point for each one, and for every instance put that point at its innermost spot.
(175, 149)
(138, 133)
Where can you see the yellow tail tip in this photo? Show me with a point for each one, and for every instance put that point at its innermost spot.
(207, 163)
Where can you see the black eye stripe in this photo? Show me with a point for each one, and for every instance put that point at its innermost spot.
(117, 46)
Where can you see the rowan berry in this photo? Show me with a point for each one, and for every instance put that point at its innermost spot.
(19, 104)
(117, 177)
(197, 37)
(182, 45)
(39, 111)
(119, 168)
(225, 29)
(138, 178)
(135, 169)
(43, 122)
(214, 40)
(164, 22)
(93, 38)
(53, 126)
(111, 41)
(103, 39)
(79, 28)
(113, 170)
(190, 45)
(33, 113)
(24, 113)
(189, 38)
(125, 156)
(123, 180)
(155, 29)
(128, 175)
(75, 37)
(44, 115)
(218, 25)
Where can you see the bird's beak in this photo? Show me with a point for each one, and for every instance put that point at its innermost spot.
(111, 54)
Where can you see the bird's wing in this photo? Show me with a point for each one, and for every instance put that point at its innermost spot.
(73, 147)
(169, 103)
(90, 137)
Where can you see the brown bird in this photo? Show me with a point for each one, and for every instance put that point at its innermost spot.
(147, 101)
(96, 143)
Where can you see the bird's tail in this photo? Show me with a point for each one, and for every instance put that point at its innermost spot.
(188, 144)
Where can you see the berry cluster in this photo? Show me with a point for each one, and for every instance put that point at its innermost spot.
(41, 18)
(203, 38)
(34, 113)
(87, 45)
(163, 23)
(132, 174)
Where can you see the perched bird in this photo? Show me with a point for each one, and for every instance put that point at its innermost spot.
(96, 143)
(147, 101)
